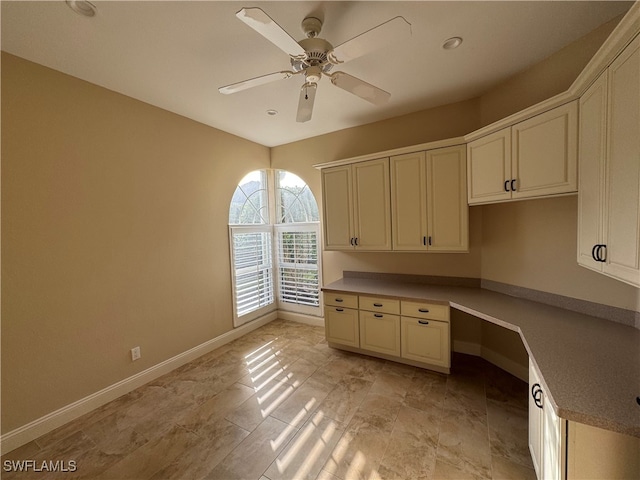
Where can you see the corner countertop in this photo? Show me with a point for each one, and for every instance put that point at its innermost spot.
(590, 367)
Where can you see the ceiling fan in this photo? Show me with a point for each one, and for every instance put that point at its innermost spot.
(314, 57)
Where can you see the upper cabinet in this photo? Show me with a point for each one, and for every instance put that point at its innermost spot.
(533, 158)
(410, 202)
(609, 193)
(357, 206)
(428, 201)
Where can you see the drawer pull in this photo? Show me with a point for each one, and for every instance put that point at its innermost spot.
(536, 393)
(378, 315)
(423, 310)
(423, 322)
(339, 300)
(339, 309)
(377, 304)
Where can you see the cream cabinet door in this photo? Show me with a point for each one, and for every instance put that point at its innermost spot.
(536, 419)
(447, 208)
(544, 153)
(337, 208)
(426, 341)
(622, 204)
(380, 332)
(592, 146)
(372, 205)
(409, 202)
(341, 326)
(489, 168)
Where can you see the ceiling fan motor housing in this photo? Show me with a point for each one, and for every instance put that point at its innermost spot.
(317, 49)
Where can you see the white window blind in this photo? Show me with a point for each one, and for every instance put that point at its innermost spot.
(253, 284)
(297, 263)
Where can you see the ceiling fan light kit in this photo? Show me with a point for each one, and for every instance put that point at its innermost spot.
(314, 57)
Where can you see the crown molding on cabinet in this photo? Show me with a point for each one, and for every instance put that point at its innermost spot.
(449, 142)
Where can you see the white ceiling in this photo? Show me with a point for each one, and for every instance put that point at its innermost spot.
(175, 54)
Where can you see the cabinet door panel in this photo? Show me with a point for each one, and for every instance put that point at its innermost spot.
(488, 167)
(592, 145)
(545, 153)
(341, 326)
(372, 205)
(536, 425)
(622, 221)
(380, 332)
(448, 211)
(338, 204)
(426, 341)
(409, 201)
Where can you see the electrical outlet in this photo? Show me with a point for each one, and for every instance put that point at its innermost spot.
(135, 354)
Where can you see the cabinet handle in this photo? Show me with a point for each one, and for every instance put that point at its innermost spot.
(593, 252)
(429, 240)
(351, 241)
(339, 309)
(423, 310)
(506, 185)
(599, 257)
(339, 300)
(356, 241)
(424, 241)
(377, 304)
(423, 322)
(513, 185)
(536, 393)
(378, 315)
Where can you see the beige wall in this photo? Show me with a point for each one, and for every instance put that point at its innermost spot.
(545, 79)
(114, 235)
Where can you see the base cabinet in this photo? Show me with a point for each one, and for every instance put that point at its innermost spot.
(408, 332)
(380, 332)
(341, 319)
(567, 450)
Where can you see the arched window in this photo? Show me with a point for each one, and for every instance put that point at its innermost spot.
(274, 232)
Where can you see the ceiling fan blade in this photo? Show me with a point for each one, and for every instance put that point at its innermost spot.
(262, 23)
(305, 104)
(254, 82)
(358, 87)
(378, 37)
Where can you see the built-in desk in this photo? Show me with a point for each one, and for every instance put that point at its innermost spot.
(589, 367)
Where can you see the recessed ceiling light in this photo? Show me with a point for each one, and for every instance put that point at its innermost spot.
(82, 7)
(451, 43)
(271, 112)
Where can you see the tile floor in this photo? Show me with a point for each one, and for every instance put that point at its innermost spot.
(278, 403)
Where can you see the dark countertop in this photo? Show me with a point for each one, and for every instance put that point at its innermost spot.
(590, 367)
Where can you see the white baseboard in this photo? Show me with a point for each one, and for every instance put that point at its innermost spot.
(491, 356)
(506, 364)
(22, 435)
(468, 348)
(301, 318)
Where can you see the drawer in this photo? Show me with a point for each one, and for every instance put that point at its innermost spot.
(432, 311)
(376, 304)
(345, 300)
